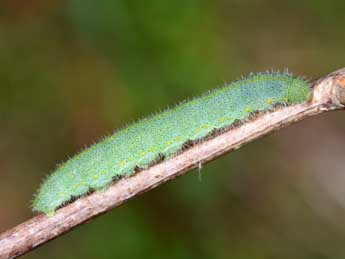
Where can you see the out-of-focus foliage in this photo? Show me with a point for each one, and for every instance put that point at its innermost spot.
(72, 71)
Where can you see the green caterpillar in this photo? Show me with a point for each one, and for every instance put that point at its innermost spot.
(163, 135)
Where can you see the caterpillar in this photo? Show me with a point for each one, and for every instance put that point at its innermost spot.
(141, 144)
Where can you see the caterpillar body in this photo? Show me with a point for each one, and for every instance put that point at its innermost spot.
(163, 135)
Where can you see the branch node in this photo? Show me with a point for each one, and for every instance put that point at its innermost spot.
(330, 89)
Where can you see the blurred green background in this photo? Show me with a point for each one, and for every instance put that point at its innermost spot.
(73, 71)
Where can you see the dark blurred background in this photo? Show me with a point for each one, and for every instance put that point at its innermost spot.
(73, 71)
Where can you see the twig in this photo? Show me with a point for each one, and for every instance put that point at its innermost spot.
(328, 95)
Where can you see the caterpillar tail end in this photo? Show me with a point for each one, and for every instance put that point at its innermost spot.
(37, 207)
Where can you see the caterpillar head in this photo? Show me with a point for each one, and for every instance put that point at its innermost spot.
(298, 91)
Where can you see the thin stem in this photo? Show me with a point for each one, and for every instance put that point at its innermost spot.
(328, 95)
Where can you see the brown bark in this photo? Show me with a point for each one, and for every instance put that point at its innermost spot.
(328, 95)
